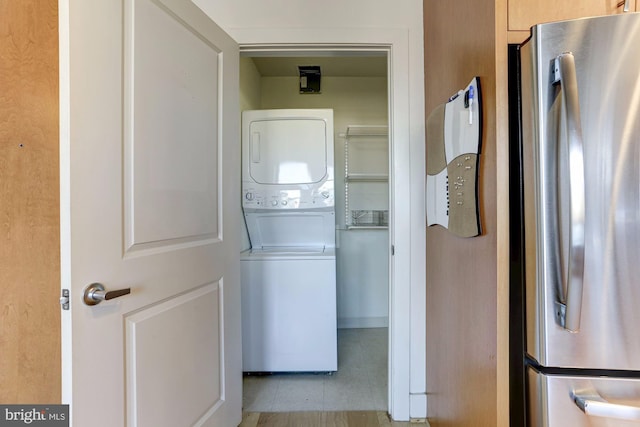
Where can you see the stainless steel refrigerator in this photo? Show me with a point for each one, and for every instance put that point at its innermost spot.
(580, 99)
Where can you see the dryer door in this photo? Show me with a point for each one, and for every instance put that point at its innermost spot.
(288, 151)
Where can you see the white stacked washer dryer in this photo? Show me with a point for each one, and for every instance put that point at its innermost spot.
(289, 274)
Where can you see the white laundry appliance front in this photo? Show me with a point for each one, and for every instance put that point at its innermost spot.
(288, 276)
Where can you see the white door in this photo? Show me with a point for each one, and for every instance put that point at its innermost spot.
(149, 201)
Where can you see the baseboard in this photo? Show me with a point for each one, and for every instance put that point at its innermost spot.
(418, 406)
(362, 322)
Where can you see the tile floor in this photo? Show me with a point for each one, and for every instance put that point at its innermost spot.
(360, 384)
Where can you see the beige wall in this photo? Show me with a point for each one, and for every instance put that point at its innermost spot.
(355, 100)
(250, 85)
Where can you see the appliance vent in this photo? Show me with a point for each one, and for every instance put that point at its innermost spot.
(309, 78)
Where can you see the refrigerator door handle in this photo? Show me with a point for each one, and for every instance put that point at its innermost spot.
(565, 75)
(594, 405)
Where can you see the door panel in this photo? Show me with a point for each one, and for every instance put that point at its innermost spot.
(191, 359)
(148, 203)
(170, 92)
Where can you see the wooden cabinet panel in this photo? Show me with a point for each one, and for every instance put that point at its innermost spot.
(463, 320)
(30, 370)
(523, 14)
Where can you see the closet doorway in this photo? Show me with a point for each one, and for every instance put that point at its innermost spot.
(355, 84)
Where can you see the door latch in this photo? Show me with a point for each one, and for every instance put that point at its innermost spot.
(64, 299)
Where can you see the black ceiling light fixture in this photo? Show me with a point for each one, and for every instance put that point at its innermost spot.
(309, 78)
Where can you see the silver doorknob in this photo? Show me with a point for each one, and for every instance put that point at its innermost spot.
(95, 294)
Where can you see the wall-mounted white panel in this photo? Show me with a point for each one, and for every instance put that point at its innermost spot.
(172, 145)
(168, 338)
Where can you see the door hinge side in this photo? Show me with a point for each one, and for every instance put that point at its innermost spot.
(64, 299)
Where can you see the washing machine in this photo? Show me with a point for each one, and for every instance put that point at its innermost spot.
(288, 276)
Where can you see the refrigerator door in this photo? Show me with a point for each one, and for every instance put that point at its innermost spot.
(561, 401)
(581, 168)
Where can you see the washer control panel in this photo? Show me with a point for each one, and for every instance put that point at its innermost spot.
(254, 198)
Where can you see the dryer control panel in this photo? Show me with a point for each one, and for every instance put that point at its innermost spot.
(261, 198)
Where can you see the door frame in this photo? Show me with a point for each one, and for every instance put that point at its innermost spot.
(407, 229)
